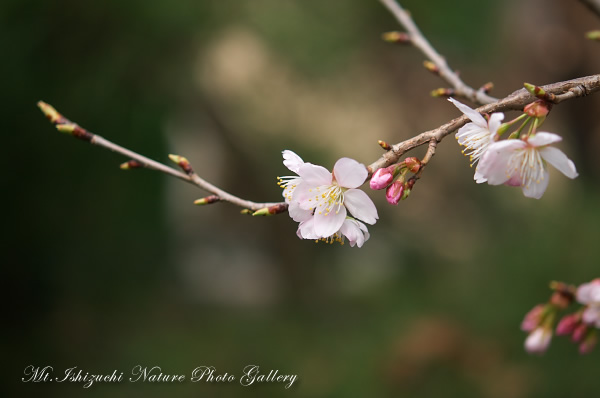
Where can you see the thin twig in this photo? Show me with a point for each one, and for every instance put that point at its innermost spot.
(593, 5)
(65, 125)
(516, 101)
(418, 40)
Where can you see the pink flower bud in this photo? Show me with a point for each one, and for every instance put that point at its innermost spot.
(394, 192)
(412, 164)
(538, 341)
(579, 333)
(539, 108)
(532, 318)
(381, 178)
(567, 325)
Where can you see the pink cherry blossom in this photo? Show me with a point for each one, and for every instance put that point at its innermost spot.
(589, 294)
(478, 135)
(332, 195)
(523, 163)
(382, 178)
(394, 192)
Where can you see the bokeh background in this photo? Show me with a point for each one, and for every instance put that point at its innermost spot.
(105, 269)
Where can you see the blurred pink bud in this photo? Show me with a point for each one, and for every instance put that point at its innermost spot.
(382, 178)
(539, 108)
(567, 324)
(394, 192)
(579, 333)
(532, 318)
(538, 341)
(588, 344)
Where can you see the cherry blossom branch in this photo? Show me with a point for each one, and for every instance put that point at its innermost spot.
(459, 88)
(188, 175)
(559, 92)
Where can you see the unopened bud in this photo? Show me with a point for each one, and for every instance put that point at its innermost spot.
(431, 67)
(49, 111)
(182, 162)
(538, 341)
(384, 145)
(539, 92)
(246, 211)
(412, 164)
(560, 300)
(486, 88)
(132, 164)
(533, 318)
(579, 333)
(66, 128)
(381, 178)
(442, 92)
(567, 324)
(207, 200)
(269, 211)
(539, 108)
(396, 37)
(593, 35)
(394, 192)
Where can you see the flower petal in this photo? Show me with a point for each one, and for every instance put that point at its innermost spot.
(494, 163)
(495, 122)
(327, 224)
(297, 213)
(314, 175)
(349, 173)
(292, 161)
(361, 206)
(543, 138)
(470, 113)
(306, 229)
(478, 177)
(536, 189)
(559, 160)
(353, 231)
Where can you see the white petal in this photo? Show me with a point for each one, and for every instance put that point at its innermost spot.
(361, 206)
(306, 229)
(478, 177)
(591, 315)
(559, 160)
(465, 133)
(495, 122)
(493, 165)
(297, 213)
(292, 161)
(314, 175)
(536, 189)
(302, 195)
(584, 293)
(353, 231)
(327, 224)
(471, 113)
(543, 138)
(349, 173)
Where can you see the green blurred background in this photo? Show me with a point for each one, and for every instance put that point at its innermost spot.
(105, 269)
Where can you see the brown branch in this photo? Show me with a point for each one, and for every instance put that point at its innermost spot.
(65, 125)
(516, 101)
(593, 5)
(417, 38)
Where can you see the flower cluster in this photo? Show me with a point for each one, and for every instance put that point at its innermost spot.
(521, 160)
(328, 206)
(393, 179)
(580, 325)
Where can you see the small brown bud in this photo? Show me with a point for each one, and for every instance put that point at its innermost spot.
(396, 37)
(431, 67)
(486, 88)
(182, 162)
(384, 145)
(412, 164)
(132, 164)
(539, 108)
(442, 92)
(207, 200)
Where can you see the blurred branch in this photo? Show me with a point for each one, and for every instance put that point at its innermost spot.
(441, 66)
(516, 101)
(66, 126)
(593, 5)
